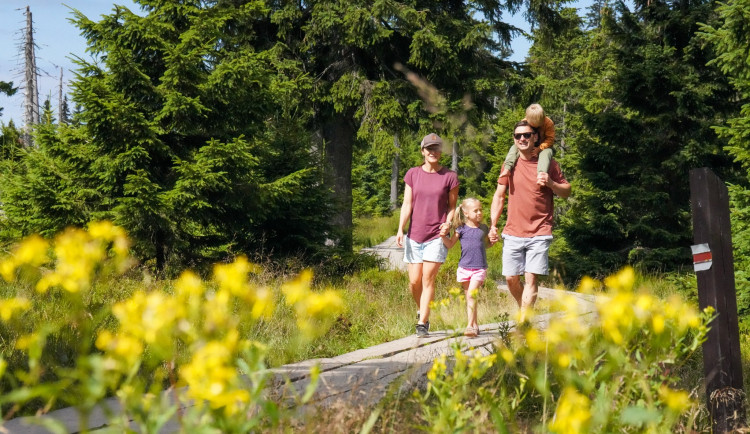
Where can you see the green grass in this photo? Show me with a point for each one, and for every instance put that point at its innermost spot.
(372, 231)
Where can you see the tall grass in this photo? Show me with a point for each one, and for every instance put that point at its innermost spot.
(370, 231)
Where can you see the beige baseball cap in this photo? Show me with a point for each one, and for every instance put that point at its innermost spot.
(431, 139)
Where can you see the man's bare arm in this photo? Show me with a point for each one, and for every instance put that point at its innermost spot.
(496, 209)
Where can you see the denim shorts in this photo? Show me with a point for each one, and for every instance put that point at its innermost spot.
(526, 255)
(471, 274)
(429, 251)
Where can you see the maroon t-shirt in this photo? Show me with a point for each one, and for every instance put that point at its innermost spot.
(429, 201)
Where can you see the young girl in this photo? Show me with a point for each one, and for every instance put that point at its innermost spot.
(472, 267)
(546, 130)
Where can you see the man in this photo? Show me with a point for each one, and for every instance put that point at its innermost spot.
(528, 230)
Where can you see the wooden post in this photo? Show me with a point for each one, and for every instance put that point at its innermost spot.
(714, 265)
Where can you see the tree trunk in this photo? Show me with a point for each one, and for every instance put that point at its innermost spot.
(338, 136)
(31, 106)
(454, 157)
(60, 115)
(394, 172)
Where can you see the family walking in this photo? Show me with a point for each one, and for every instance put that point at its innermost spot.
(530, 179)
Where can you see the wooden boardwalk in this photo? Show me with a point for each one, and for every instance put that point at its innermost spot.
(362, 377)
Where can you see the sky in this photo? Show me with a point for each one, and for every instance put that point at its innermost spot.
(58, 41)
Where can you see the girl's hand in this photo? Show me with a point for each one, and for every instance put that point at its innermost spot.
(445, 229)
(492, 235)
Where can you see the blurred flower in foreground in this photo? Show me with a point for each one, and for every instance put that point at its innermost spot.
(11, 306)
(573, 413)
(31, 252)
(212, 375)
(315, 310)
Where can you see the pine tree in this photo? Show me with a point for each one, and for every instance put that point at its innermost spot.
(729, 38)
(642, 113)
(191, 136)
(353, 48)
(8, 89)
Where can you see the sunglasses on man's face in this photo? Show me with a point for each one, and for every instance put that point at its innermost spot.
(524, 135)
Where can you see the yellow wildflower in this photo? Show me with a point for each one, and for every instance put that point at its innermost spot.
(297, 289)
(563, 360)
(189, 285)
(316, 310)
(438, 368)
(676, 400)
(8, 269)
(263, 306)
(657, 324)
(616, 316)
(233, 277)
(534, 341)
(3, 366)
(123, 347)
(455, 291)
(588, 285)
(29, 342)
(507, 355)
(77, 257)
(212, 376)
(573, 413)
(149, 317)
(32, 251)
(108, 232)
(9, 307)
(217, 310)
(623, 281)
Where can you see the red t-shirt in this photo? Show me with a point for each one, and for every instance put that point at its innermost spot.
(429, 201)
(530, 208)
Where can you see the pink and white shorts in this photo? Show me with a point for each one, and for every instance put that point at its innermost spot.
(471, 274)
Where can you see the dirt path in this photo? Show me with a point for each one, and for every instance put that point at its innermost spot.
(389, 251)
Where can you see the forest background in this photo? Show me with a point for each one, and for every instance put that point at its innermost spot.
(210, 129)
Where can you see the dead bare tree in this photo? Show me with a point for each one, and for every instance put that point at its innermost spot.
(31, 106)
(60, 102)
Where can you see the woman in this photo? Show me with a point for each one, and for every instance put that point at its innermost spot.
(430, 197)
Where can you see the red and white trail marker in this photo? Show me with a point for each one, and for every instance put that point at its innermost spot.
(702, 258)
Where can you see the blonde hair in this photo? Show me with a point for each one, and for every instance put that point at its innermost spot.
(459, 217)
(535, 115)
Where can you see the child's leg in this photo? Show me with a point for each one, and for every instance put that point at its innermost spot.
(471, 302)
(510, 161)
(545, 156)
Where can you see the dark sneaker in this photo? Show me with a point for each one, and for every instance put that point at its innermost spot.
(422, 330)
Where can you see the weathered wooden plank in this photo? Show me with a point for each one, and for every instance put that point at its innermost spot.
(716, 287)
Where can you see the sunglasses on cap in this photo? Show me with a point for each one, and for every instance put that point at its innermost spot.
(524, 135)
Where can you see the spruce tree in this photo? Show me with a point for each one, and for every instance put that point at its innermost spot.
(190, 135)
(353, 49)
(729, 37)
(647, 120)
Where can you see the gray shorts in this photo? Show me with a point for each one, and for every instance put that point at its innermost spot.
(429, 251)
(526, 255)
